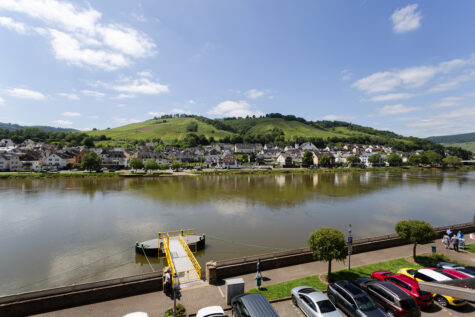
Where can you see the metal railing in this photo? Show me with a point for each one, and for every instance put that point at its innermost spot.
(193, 260)
(167, 253)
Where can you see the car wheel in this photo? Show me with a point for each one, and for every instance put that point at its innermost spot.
(442, 301)
(390, 313)
(294, 300)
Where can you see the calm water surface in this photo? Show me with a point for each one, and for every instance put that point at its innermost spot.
(59, 232)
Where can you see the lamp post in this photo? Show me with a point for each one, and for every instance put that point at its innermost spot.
(350, 247)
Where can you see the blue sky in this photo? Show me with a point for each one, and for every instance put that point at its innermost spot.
(403, 66)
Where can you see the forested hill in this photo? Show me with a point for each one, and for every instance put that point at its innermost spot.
(12, 127)
(455, 138)
(189, 130)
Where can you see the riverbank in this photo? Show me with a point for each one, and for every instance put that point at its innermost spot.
(223, 172)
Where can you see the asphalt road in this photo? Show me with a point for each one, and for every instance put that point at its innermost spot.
(286, 308)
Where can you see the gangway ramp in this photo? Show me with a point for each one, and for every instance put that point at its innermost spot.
(179, 255)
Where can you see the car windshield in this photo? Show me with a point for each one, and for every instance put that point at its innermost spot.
(466, 271)
(326, 306)
(365, 303)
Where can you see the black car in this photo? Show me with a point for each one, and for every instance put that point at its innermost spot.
(353, 300)
(394, 300)
(252, 305)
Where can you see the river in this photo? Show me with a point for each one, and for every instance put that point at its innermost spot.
(58, 232)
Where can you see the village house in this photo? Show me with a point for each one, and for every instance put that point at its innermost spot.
(228, 161)
(317, 155)
(307, 146)
(10, 162)
(6, 143)
(244, 148)
(31, 160)
(54, 161)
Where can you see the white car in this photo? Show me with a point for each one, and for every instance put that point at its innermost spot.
(211, 311)
(313, 303)
(453, 266)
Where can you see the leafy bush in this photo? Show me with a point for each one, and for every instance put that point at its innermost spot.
(180, 311)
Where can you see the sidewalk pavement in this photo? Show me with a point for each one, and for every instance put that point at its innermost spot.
(199, 296)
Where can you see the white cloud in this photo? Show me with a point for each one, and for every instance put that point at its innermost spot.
(346, 74)
(2, 101)
(156, 114)
(62, 122)
(145, 74)
(124, 120)
(93, 93)
(25, 93)
(78, 36)
(448, 102)
(95, 117)
(458, 120)
(396, 109)
(121, 105)
(453, 83)
(409, 78)
(69, 95)
(13, 25)
(254, 93)
(406, 19)
(124, 96)
(391, 97)
(71, 114)
(141, 86)
(230, 108)
(334, 117)
(191, 102)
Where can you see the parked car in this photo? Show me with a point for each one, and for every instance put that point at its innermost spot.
(466, 270)
(454, 274)
(252, 305)
(313, 303)
(353, 300)
(407, 284)
(428, 275)
(394, 300)
(211, 311)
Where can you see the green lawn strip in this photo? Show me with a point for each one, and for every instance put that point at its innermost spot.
(433, 259)
(470, 248)
(283, 289)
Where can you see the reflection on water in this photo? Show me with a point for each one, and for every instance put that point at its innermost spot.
(58, 232)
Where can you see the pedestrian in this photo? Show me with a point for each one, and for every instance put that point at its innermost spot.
(258, 281)
(460, 234)
(461, 240)
(168, 282)
(450, 233)
(455, 242)
(446, 241)
(259, 267)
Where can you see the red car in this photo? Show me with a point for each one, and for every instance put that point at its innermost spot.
(407, 284)
(453, 274)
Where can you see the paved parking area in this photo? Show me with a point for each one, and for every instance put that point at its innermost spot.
(286, 308)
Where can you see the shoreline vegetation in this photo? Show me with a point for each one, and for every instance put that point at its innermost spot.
(224, 172)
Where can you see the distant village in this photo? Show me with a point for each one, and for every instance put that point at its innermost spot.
(30, 156)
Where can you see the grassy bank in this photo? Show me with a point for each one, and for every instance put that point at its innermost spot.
(283, 289)
(470, 248)
(57, 175)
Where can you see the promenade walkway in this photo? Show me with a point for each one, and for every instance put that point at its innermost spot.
(196, 297)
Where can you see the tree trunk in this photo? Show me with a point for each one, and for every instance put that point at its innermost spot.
(414, 251)
(329, 270)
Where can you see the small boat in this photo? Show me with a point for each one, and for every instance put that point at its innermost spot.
(154, 247)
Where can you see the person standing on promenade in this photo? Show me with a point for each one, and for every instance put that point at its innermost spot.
(455, 242)
(450, 233)
(446, 241)
(259, 267)
(168, 283)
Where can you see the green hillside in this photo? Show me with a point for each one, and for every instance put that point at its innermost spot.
(13, 127)
(470, 146)
(167, 130)
(186, 130)
(465, 141)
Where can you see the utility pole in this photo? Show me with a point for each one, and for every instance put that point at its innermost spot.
(350, 247)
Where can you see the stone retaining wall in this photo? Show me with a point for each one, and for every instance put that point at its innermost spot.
(76, 295)
(219, 270)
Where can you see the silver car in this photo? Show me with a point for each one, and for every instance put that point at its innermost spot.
(313, 303)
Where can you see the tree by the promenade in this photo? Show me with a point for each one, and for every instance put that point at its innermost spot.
(414, 159)
(90, 161)
(415, 231)
(136, 163)
(325, 160)
(433, 157)
(151, 165)
(394, 160)
(327, 244)
(353, 160)
(452, 161)
(176, 165)
(374, 159)
(307, 159)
